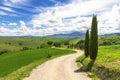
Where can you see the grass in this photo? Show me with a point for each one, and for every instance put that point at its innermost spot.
(107, 64)
(9, 47)
(109, 57)
(16, 65)
(16, 44)
(109, 40)
(74, 41)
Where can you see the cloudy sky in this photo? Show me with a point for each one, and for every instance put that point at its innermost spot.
(47, 17)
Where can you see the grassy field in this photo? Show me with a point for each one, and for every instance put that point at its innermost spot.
(15, 65)
(103, 40)
(107, 64)
(74, 41)
(16, 44)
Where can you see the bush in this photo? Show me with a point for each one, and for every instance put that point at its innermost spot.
(57, 44)
(20, 44)
(3, 51)
(44, 45)
(66, 43)
(80, 44)
(48, 54)
(50, 43)
(9, 43)
(25, 48)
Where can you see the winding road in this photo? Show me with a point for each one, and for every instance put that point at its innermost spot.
(61, 68)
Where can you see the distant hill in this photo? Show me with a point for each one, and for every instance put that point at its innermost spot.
(74, 34)
(113, 34)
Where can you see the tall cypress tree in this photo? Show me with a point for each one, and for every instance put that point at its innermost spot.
(87, 44)
(93, 48)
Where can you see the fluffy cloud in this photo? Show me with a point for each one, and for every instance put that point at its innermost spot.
(3, 13)
(109, 21)
(6, 9)
(14, 3)
(22, 30)
(74, 16)
(9, 7)
(77, 16)
(12, 24)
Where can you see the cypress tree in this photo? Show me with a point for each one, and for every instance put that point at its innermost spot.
(87, 44)
(93, 48)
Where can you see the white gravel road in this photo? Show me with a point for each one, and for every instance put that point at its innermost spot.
(61, 68)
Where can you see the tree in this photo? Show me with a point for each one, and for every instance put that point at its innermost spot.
(57, 44)
(50, 43)
(93, 39)
(80, 44)
(87, 44)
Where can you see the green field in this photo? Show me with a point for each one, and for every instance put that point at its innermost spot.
(103, 40)
(18, 56)
(16, 44)
(16, 63)
(107, 64)
(74, 41)
(11, 63)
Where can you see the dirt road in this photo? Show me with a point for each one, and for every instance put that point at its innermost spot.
(62, 68)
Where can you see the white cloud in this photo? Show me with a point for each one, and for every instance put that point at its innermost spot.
(109, 21)
(19, 31)
(77, 15)
(14, 3)
(6, 9)
(3, 13)
(12, 24)
(74, 16)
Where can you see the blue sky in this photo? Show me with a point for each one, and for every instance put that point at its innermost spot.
(48, 17)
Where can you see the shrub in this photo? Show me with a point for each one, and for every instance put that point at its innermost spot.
(25, 48)
(66, 43)
(57, 44)
(80, 44)
(20, 44)
(43, 45)
(3, 51)
(9, 43)
(48, 54)
(50, 43)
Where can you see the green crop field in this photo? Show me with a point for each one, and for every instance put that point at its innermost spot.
(15, 65)
(107, 64)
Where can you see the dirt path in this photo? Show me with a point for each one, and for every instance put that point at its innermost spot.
(62, 68)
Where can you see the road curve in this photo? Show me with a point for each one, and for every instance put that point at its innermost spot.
(61, 68)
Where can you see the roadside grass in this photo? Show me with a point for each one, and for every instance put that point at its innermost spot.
(16, 65)
(107, 64)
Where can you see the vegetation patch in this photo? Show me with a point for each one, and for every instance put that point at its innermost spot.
(16, 65)
(107, 64)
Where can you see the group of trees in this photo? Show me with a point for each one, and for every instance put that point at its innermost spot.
(55, 44)
(80, 44)
(109, 40)
(91, 44)
(91, 41)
